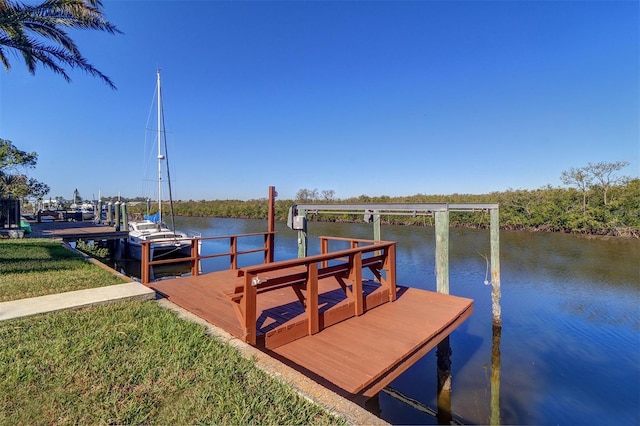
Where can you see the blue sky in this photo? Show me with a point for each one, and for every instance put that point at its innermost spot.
(376, 98)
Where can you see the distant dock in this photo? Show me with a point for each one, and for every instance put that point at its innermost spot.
(73, 231)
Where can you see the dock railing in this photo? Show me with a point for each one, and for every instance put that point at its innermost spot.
(305, 273)
(195, 257)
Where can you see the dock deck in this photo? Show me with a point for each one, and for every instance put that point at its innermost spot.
(318, 314)
(72, 231)
(356, 357)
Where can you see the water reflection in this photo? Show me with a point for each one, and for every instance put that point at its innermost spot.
(132, 268)
(569, 307)
(119, 260)
(495, 374)
(443, 356)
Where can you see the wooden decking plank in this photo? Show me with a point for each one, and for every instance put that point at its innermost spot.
(203, 296)
(356, 356)
(325, 353)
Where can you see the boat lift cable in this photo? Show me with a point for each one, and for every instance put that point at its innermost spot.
(397, 395)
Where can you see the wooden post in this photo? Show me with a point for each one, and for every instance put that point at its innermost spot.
(145, 263)
(324, 249)
(302, 236)
(312, 298)
(442, 251)
(125, 218)
(495, 375)
(390, 267)
(376, 226)
(116, 213)
(195, 259)
(495, 267)
(443, 354)
(109, 213)
(249, 310)
(233, 250)
(271, 225)
(355, 275)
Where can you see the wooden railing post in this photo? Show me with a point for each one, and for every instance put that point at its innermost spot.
(390, 267)
(145, 263)
(268, 248)
(233, 249)
(249, 309)
(356, 281)
(324, 249)
(194, 257)
(312, 298)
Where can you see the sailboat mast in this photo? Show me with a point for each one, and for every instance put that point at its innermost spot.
(160, 156)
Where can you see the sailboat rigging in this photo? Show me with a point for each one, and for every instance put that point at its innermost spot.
(164, 241)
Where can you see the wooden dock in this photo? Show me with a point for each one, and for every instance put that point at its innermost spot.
(73, 231)
(353, 348)
(317, 314)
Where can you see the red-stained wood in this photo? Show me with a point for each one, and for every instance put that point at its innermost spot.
(304, 273)
(363, 354)
(353, 355)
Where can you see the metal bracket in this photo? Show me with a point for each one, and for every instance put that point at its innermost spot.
(257, 281)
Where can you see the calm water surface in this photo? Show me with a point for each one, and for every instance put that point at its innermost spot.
(569, 348)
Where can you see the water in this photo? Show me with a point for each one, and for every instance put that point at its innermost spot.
(569, 348)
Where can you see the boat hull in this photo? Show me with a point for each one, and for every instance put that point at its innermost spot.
(160, 250)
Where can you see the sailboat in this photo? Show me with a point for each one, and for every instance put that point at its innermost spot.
(165, 242)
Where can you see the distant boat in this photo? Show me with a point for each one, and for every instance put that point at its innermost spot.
(165, 242)
(86, 209)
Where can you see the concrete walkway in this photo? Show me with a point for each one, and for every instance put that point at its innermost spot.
(74, 299)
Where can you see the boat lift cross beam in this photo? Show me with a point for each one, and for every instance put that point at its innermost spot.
(371, 213)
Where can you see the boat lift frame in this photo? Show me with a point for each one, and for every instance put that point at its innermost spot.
(440, 211)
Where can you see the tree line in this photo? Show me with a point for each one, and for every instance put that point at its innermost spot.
(597, 201)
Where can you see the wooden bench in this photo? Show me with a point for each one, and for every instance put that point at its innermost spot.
(305, 273)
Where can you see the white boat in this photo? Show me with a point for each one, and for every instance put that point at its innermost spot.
(87, 210)
(165, 242)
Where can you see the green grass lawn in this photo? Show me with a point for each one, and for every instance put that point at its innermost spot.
(124, 363)
(36, 267)
(133, 363)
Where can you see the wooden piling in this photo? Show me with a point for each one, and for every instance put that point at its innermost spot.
(495, 375)
(443, 355)
(442, 251)
(116, 211)
(495, 266)
(125, 217)
(98, 212)
(376, 226)
(271, 225)
(302, 236)
(109, 213)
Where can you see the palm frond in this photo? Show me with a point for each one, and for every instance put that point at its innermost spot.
(26, 28)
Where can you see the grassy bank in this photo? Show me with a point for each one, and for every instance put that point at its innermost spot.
(37, 267)
(133, 363)
(125, 363)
